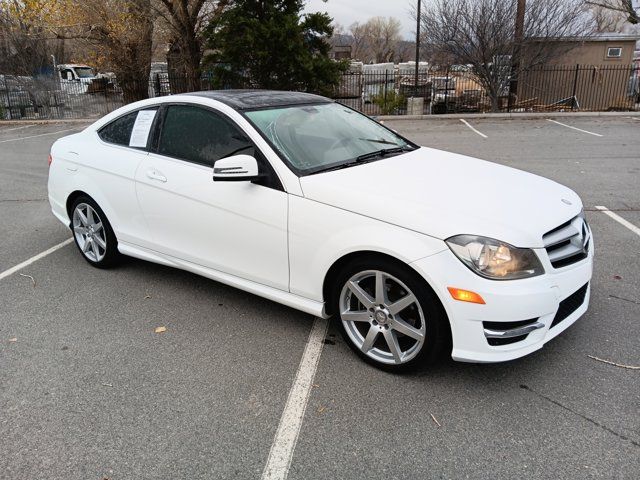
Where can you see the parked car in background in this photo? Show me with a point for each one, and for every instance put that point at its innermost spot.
(304, 201)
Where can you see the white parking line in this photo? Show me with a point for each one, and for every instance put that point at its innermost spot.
(635, 118)
(16, 128)
(619, 219)
(467, 124)
(41, 135)
(35, 258)
(284, 443)
(575, 128)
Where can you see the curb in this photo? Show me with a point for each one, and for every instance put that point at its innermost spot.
(521, 116)
(49, 122)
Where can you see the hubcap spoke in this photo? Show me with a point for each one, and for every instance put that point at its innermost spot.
(80, 230)
(87, 244)
(100, 242)
(381, 294)
(370, 339)
(90, 220)
(356, 316)
(392, 342)
(364, 298)
(403, 327)
(83, 218)
(97, 227)
(401, 304)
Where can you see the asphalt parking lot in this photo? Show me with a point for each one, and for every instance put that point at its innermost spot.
(89, 391)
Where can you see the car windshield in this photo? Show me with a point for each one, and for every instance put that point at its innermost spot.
(84, 72)
(314, 138)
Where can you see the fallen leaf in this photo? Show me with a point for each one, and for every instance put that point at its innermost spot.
(160, 329)
(617, 277)
(147, 296)
(321, 409)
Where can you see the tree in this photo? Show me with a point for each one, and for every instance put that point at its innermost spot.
(270, 44)
(625, 7)
(482, 33)
(117, 31)
(186, 20)
(376, 40)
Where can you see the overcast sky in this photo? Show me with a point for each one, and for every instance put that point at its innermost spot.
(346, 12)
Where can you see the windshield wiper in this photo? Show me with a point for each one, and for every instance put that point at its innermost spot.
(381, 153)
(375, 140)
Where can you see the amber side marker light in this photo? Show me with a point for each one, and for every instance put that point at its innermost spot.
(465, 295)
(50, 159)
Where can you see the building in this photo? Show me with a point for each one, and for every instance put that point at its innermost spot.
(595, 73)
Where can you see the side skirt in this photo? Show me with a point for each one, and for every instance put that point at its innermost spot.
(303, 304)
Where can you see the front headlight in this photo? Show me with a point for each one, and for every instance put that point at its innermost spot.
(495, 259)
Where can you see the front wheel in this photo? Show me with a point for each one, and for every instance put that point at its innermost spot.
(389, 315)
(93, 234)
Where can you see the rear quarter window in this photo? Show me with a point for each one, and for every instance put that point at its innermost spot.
(119, 131)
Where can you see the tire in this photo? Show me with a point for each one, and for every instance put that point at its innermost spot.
(408, 316)
(93, 234)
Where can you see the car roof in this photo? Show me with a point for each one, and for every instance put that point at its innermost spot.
(256, 99)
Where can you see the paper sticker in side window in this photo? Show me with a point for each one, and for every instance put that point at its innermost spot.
(142, 127)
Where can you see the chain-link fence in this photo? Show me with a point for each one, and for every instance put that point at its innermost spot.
(453, 89)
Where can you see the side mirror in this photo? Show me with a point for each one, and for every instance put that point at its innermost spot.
(239, 168)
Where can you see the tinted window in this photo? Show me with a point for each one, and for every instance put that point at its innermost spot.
(119, 131)
(200, 136)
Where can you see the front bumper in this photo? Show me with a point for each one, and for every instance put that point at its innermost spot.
(536, 300)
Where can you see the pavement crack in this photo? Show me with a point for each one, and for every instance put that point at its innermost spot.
(625, 299)
(588, 419)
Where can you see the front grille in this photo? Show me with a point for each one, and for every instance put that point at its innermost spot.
(568, 243)
(570, 305)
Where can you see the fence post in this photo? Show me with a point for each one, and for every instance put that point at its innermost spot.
(575, 87)
(446, 91)
(386, 83)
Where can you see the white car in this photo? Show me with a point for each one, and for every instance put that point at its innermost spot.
(311, 204)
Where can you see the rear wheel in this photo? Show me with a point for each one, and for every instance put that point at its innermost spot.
(388, 315)
(93, 234)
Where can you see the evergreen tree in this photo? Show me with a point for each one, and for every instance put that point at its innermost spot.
(271, 44)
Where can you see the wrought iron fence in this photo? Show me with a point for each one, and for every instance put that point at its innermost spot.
(433, 91)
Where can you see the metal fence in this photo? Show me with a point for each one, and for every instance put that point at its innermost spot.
(434, 91)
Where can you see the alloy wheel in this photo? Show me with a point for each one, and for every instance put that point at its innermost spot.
(89, 232)
(382, 317)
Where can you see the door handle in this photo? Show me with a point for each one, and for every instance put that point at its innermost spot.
(156, 175)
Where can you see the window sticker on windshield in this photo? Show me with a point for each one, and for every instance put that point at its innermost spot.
(142, 127)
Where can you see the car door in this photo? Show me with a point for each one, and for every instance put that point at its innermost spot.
(239, 228)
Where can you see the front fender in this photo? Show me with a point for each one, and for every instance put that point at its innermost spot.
(319, 235)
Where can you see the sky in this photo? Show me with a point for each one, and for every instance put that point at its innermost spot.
(346, 12)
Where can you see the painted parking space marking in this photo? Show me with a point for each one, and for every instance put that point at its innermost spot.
(575, 128)
(40, 135)
(473, 129)
(619, 219)
(284, 443)
(35, 258)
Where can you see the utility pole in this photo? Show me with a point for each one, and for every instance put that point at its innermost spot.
(517, 43)
(417, 45)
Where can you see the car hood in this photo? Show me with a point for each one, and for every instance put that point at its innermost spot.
(442, 194)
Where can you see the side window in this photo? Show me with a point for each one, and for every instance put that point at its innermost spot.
(200, 136)
(119, 131)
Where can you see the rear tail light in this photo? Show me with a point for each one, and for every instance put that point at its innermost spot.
(50, 159)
